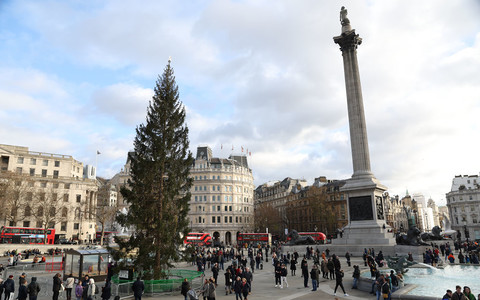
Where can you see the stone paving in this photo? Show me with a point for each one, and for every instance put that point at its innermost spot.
(263, 286)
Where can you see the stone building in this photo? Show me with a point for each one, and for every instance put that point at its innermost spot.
(120, 180)
(222, 196)
(319, 207)
(56, 180)
(463, 202)
(274, 194)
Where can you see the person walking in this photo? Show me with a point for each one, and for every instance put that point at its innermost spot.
(237, 288)
(283, 276)
(339, 282)
(185, 288)
(331, 268)
(314, 274)
(138, 287)
(92, 289)
(228, 281)
(9, 287)
(69, 283)
(245, 288)
(211, 294)
(33, 289)
(278, 274)
(248, 275)
(79, 290)
(57, 285)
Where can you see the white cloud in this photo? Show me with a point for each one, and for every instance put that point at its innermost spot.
(267, 75)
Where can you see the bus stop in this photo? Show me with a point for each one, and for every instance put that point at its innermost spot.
(87, 261)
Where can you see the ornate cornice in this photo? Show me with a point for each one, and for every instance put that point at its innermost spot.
(348, 40)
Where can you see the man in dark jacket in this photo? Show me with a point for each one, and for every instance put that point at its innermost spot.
(22, 291)
(138, 288)
(185, 288)
(106, 290)
(33, 288)
(9, 286)
(57, 284)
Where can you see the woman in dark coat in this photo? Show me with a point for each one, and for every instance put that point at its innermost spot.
(106, 290)
(293, 266)
(245, 288)
(185, 288)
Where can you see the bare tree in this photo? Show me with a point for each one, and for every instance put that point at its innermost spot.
(266, 216)
(16, 191)
(48, 210)
(106, 211)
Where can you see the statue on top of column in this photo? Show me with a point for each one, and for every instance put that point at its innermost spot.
(343, 16)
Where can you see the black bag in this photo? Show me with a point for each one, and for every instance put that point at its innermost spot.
(96, 290)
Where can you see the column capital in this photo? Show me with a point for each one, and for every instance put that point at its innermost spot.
(348, 40)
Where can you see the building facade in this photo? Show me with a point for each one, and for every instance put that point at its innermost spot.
(222, 196)
(463, 202)
(49, 181)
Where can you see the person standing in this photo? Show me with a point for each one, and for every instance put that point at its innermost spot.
(304, 267)
(22, 291)
(211, 294)
(215, 271)
(57, 285)
(1, 288)
(33, 289)
(138, 287)
(92, 289)
(69, 286)
(106, 290)
(293, 265)
(356, 276)
(331, 268)
(468, 293)
(339, 282)
(79, 290)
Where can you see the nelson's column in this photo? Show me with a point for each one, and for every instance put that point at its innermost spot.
(366, 220)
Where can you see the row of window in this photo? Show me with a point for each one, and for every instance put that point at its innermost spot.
(227, 188)
(464, 220)
(217, 177)
(462, 208)
(227, 198)
(54, 196)
(43, 184)
(33, 161)
(39, 224)
(460, 198)
(200, 208)
(32, 172)
(226, 220)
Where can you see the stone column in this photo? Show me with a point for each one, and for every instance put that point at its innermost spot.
(349, 42)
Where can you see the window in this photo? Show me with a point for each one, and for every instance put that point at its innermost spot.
(45, 162)
(213, 219)
(44, 173)
(196, 198)
(54, 197)
(76, 226)
(79, 198)
(55, 185)
(40, 212)
(28, 212)
(19, 170)
(196, 188)
(218, 207)
(39, 224)
(20, 160)
(32, 172)
(64, 212)
(63, 226)
(230, 209)
(67, 186)
(26, 223)
(205, 198)
(65, 197)
(55, 174)
(213, 207)
(230, 219)
(57, 163)
(218, 219)
(33, 161)
(43, 184)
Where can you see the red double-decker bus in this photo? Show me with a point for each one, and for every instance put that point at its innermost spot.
(198, 239)
(254, 238)
(25, 235)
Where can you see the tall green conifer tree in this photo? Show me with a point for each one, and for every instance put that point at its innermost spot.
(159, 189)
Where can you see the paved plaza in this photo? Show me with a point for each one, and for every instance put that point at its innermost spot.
(263, 286)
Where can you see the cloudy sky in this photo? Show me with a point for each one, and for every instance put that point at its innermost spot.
(76, 77)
